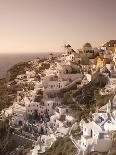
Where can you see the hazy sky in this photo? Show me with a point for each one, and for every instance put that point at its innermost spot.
(45, 25)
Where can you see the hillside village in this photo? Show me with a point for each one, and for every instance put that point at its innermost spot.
(48, 91)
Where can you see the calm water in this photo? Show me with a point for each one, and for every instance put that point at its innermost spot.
(8, 60)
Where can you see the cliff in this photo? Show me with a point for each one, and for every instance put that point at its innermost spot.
(17, 69)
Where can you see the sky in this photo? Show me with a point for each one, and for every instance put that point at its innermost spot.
(46, 25)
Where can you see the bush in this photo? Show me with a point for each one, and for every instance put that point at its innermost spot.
(62, 146)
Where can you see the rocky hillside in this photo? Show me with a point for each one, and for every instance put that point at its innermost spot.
(17, 69)
(62, 146)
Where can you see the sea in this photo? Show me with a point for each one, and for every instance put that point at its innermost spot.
(8, 60)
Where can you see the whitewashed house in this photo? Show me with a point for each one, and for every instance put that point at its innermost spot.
(49, 106)
(54, 82)
(69, 54)
(18, 115)
(62, 131)
(63, 68)
(39, 108)
(97, 135)
(46, 142)
(94, 138)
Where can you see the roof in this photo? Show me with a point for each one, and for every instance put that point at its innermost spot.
(93, 125)
(69, 118)
(110, 43)
(47, 137)
(87, 45)
(88, 139)
(63, 130)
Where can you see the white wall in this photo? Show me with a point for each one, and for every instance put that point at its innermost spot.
(86, 130)
(30, 108)
(88, 77)
(103, 145)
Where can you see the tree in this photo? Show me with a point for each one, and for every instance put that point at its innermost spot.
(68, 98)
(99, 80)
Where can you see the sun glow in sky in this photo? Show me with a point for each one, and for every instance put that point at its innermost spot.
(46, 25)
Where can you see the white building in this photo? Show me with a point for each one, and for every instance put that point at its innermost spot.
(97, 135)
(94, 139)
(54, 82)
(40, 108)
(18, 115)
(69, 54)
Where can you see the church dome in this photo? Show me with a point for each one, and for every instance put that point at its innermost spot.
(87, 45)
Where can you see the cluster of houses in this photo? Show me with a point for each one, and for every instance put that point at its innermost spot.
(38, 113)
(97, 134)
